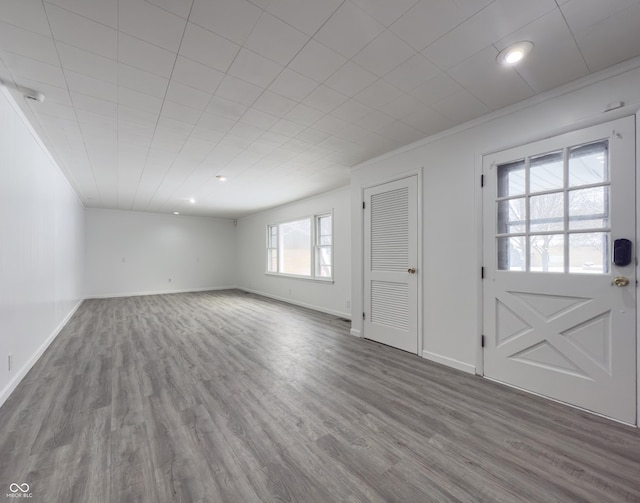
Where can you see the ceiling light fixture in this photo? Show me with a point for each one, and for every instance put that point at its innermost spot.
(515, 53)
(192, 200)
(221, 178)
(176, 212)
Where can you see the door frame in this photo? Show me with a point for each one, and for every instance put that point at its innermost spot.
(405, 174)
(479, 207)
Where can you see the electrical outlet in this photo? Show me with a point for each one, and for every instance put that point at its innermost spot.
(10, 362)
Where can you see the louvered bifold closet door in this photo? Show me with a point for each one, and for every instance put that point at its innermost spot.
(390, 253)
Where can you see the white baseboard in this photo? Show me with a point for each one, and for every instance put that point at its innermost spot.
(13, 383)
(158, 292)
(355, 332)
(449, 362)
(297, 303)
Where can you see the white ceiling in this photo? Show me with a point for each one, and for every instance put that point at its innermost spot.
(148, 100)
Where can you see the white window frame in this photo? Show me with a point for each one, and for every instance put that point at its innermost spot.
(314, 247)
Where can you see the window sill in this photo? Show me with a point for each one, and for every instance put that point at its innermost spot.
(303, 278)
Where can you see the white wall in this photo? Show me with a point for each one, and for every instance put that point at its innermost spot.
(41, 266)
(328, 297)
(132, 253)
(451, 202)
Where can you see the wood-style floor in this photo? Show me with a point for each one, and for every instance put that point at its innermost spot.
(229, 397)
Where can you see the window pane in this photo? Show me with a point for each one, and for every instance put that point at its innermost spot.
(273, 236)
(589, 208)
(323, 267)
(511, 179)
(511, 253)
(325, 240)
(547, 212)
(547, 253)
(325, 226)
(589, 164)
(546, 172)
(272, 260)
(295, 247)
(512, 216)
(588, 252)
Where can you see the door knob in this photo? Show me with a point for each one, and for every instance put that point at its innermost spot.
(412, 270)
(621, 281)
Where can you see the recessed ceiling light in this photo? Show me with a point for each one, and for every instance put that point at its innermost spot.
(192, 200)
(515, 53)
(176, 212)
(221, 178)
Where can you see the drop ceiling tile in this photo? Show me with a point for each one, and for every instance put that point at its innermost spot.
(145, 56)
(208, 48)
(330, 124)
(384, 11)
(194, 74)
(274, 104)
(232, 19)
(28, 15)
(305, 15)
(288, 128)
(142, 119)
(555, 59)
(494, 85)
(402, 106)
(324, 99)
(401, 132)
(435, 89)
(247, 131)
(384, 54)
(484, 28)
(610, 40)
(238, 90)
(304, 115)
(350, 79)
(275, 39)
(348, 30)
(427, 21)
(28, 44)
(583, 14)
(259, 119)
(95, 105)
(91, 87)
(351, 111)
(87, 63)
(216, 122)
(412, 73)
(56, 110)
(312, 135)
(317, 61)
(143, 20)
(378, 94)
(180, 112)
(141, 101)
(428, 121)
(82, 32)
(178, 7)
(461, 106)
(53, 93)
(187, 96)
(209, 135)
(292, 85)
(101, 11)
(142, 81)
(226, 108)
(254, 68)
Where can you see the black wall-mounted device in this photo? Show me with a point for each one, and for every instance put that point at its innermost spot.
(622, 252)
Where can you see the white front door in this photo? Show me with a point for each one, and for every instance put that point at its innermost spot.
(559, 302)
(390, 272)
